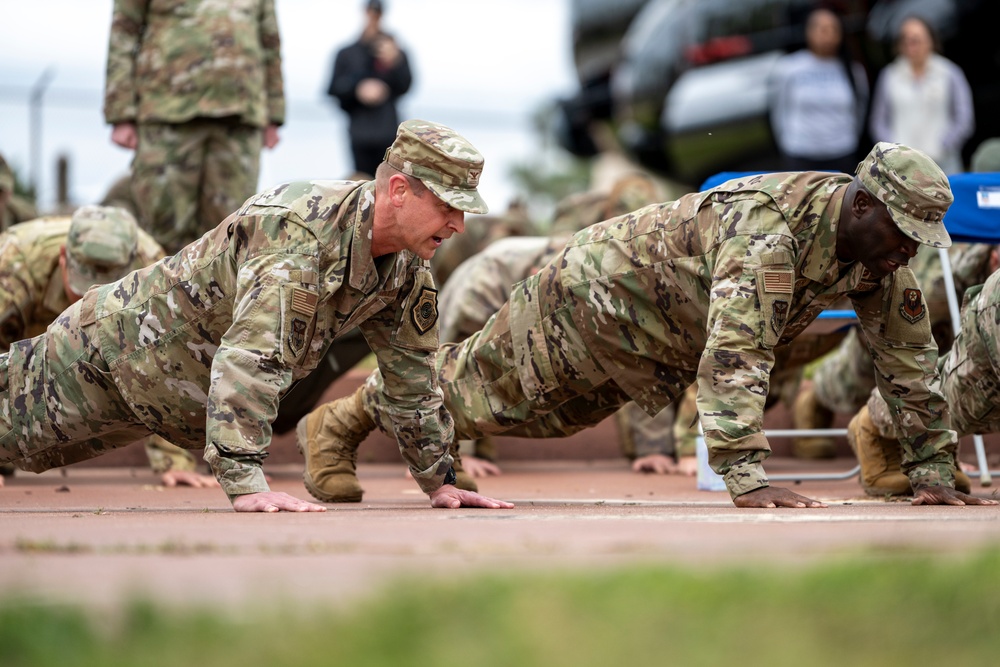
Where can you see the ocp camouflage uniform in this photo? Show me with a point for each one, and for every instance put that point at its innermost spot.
(201, 79)
(701, 289)
(970, 381)
(845, 378)
(32, 296)
(480, 286)
(14, 209)
(199, 346)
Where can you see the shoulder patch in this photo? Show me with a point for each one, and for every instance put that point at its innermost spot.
(424, 312)
(912, 308)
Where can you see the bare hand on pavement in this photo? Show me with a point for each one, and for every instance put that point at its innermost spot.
(273, 501)
(451, 497)
(478, 467)
(687, 466)
(655, 463)
(945, 495)
(173, 478)
(774, 496)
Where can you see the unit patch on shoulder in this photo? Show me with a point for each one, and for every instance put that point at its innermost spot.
(424, 312)
(912, 308)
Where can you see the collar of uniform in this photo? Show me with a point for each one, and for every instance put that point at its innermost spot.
(820, 263)
(364, 276)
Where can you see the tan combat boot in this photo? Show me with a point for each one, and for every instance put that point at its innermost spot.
(808, 413)
(463, 480)
(880, 458)
(328, 438)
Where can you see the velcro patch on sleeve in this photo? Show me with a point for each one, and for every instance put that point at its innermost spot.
(304, 302)
(906, 320)
(778, 281)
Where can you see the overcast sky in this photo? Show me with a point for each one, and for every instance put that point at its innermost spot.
(480, 67)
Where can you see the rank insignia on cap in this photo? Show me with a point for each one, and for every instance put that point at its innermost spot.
(424, 312)
(912, 309)
(779, 314)
(474, 177)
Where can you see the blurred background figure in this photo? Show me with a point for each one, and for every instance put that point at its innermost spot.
(48, 264)
(194, 87)
(923, 99)
(369, 76)
(13, 208)
(820, 98)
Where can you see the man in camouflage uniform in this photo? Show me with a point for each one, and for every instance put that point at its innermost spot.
(481, 285)
(200, 346)
(195, 88)
(969, 383)
(703, 290)
(845, 378)
(47, 264)
(13, 209)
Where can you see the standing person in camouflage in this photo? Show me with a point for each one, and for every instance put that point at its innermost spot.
(703, 290)
(47, 264)
(200, 346)
(194, 87)
(970, 385)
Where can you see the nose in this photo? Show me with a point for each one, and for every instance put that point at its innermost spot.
(910, 247)
(457, 221)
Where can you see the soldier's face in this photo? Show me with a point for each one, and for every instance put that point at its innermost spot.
(884, 247)
(429, 222)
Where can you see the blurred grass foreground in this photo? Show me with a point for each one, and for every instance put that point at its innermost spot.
(880, 609)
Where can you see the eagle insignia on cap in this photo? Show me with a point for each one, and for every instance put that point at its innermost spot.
(474, 177)
(424, 312)
(912, 309)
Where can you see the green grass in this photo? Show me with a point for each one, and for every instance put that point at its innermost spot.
(881, 609)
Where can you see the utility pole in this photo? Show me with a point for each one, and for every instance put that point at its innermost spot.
(35, 127)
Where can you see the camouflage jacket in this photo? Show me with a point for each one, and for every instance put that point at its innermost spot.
(706, 287)
(480, 285)
(203, 343)
(171, 61)
(31, 286)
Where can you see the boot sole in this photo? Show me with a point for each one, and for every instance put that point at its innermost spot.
(301, 436)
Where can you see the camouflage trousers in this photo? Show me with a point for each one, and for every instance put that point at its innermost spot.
(58, 401)
(641, 435)
(483, 389)
(187, 177)
(845, 377)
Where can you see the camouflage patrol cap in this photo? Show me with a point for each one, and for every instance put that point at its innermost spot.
(912, 187)
(101, 247)
(442, 160)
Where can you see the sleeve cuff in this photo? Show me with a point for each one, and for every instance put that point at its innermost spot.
(432, 479)
(744, 478)
(243, 481)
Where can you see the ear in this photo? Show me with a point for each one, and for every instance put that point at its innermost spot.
(398, 189)
(862, 202)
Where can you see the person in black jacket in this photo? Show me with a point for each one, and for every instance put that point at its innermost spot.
(368, 77)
